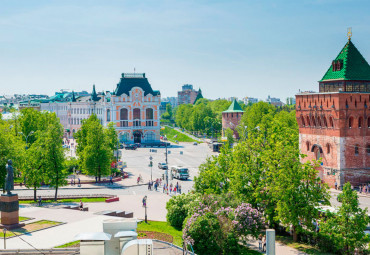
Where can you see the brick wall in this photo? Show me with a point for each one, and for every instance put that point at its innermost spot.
(234, 118)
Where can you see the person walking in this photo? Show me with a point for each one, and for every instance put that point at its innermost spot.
(336, 185)
(111, 180)
(260, 242)
(79, 182)
(180, 188)
(171, 188)
(149, 185)
(40, 201)
(144, 201)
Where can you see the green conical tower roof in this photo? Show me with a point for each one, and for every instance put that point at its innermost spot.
(354, 65)
(234, 107)
(199, 96)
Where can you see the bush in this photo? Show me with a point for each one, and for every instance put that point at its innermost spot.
(178, 209)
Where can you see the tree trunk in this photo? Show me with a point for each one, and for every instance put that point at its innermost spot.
(56, 193)
(34, 192)
(99, 174)
(295, 236)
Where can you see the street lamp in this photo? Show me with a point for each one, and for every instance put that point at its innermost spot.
(26, 137)
(151, 167)
(4, 231)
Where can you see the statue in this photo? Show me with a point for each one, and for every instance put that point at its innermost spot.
(9, 179)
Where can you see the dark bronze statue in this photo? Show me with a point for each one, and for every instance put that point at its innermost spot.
(9, 179)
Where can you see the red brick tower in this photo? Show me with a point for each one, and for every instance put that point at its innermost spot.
(334, 124)
(231, 118)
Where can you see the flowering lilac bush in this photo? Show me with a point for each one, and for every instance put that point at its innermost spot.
(217, 228)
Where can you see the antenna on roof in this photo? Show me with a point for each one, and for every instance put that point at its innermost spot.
(134, 70)
(349, 33)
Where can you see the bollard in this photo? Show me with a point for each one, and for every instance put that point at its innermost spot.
(270, 241)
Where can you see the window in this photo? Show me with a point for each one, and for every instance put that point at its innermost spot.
(319, 121)
(331, 122)
(350, 122)
(136, 114)
(123, 117)
(137, 123)
(149, 117)
(108, 115)
(328, 148)
(356, 150)
(325, 124)
(302, 121)
(308, 121)
(307, 146)
(368, 149)
(368, 122)
(360, 120)
(149, 137)
(313, 122)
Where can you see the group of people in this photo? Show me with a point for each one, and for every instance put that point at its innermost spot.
(362, 188)
(172, 188)
(73, 182)
(262, 242)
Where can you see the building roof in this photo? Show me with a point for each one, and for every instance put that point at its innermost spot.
(129, 80)
(199, 96)
(354, 66)
(234, 107)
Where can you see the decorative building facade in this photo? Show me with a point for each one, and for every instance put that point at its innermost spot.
(334, 124)
(231, 118)
(133, 108)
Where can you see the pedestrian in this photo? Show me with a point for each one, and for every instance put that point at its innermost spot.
(111, 180)
(177, 185)
(149, 185)
(263, 243)
(96, 179)
(81, 205)
(138, 180)
(160, 181)
(180, 188)
(40, 201)
(260, 242)
(336, 185)
(79, 182)
(144, 201)
(171, 188)
(164, 187)
(71, 182)
(174, 190)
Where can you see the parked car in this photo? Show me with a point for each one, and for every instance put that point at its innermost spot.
(162, 166)
(130, 147)
(121, 146)
(138, 145)
(195, 143)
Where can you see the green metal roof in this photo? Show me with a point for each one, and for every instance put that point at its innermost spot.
(199, 96)
(234, 107)
(354, 67)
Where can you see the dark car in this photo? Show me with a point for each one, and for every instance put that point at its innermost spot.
(138, 145)
(130, 147)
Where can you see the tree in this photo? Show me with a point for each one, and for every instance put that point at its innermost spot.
(169, 110)
(230, 136)
(178, 208)
(55, 154)
(96, 154)
(112, 137)
(347, 227)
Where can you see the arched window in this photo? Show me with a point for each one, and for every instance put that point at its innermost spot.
(308, 146)
(108, 115)
(328, 148)
(308, 121)
(331, 122)
(325, 123)
(137, 114)
(360, 120)
(350, 122)
(356, 150)
(123, 114)
(302, 121)
(149, 137)
(137, 122)
(149, 117)
(319, 121)
(313, 122)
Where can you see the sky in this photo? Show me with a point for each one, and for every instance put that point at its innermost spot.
(226, 48)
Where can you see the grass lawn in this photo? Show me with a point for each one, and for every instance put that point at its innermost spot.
(171, 133)
(162, 227)
(84, 199)
(287, 240)
(70, 244)
(41, 224)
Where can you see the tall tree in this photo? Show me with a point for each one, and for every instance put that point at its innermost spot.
(347, 227)
(96, 154)
(55, 154)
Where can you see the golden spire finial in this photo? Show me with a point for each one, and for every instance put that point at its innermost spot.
(349, 33)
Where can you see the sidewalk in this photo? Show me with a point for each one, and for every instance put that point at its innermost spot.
(279, 249)
(358, 193)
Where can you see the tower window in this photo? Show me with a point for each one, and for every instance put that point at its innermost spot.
(307, 146)
(328, 148)
(368, 122)
(356, 150)
(368, 149)
(360, 122)
(350, 122)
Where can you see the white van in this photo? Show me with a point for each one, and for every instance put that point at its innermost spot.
(179, 172)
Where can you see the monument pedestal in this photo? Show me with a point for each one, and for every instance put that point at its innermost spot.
(9, 206)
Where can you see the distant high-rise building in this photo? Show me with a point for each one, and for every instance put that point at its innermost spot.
(188, 94)
(250, 100)
(274, 101)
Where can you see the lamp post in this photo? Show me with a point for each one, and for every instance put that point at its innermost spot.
(151, 167)
(4, 231)
(26, 137)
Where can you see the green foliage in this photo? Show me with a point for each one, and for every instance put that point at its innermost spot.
(346, 227)
(71, 163)
(174, 135)
(178, 208)
(264, 170)
(230, 136)
(161, 227)
(112, 137)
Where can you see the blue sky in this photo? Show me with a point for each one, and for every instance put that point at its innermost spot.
(227, 48)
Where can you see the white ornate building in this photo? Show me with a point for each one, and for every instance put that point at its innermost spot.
(133, 108)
